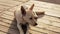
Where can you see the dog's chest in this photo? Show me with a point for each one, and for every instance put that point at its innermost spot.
(24, 27)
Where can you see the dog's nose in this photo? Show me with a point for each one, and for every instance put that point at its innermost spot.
(35, 24)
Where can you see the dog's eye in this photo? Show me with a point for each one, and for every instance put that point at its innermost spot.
(31, 18)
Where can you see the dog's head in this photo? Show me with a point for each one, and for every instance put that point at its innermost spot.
(29, 16)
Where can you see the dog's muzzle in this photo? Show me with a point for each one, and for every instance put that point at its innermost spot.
(35, 24)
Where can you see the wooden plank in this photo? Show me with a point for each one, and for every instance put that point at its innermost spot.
(35, 32)
(11, 2)
(49, 8)
(1, 32)
(8, 23)
(3, 7)
(6, 17)
(5, 29)
(15, 8)
(8, 30)
(45, 31)
(0, 12)
(50, 20)
(6, 4)
(56, 24)
(10, 13)
(5, 20)
(21, 0)
(48, 27)
(5, 24)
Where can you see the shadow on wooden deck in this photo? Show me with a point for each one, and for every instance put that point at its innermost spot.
(13, 28)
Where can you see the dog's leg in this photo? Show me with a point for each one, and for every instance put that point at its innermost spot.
(28, 31)
(25, 28)
(20, 29)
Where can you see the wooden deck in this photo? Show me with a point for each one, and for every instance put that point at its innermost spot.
(47, 24)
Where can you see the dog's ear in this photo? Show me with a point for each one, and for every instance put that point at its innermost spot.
(31, 8)
(23, 11)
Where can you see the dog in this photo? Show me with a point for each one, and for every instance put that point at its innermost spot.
(25, 18)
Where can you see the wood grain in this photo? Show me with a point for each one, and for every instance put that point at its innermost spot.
(49, 23)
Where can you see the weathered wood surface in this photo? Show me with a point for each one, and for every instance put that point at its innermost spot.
(49, 8)
(47, 24)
